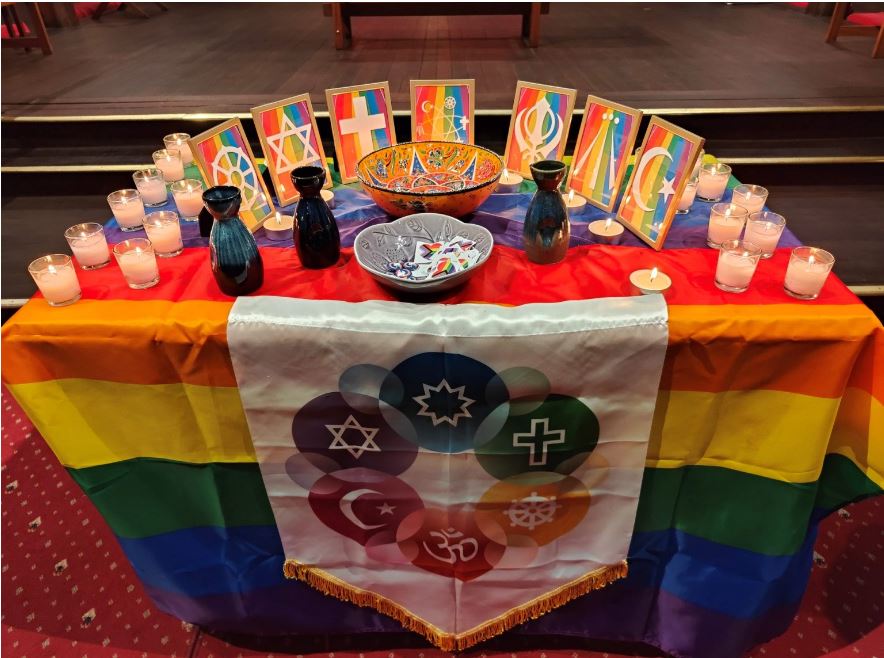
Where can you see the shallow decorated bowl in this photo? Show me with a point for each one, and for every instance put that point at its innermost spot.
(396, 254)
(444, 177)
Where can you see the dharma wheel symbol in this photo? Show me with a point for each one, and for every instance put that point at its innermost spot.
(532, 511)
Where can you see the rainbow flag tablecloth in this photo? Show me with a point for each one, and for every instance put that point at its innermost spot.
(769, 416)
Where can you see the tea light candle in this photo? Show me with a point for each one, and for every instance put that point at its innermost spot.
(329, 197)
(138, 263)
(687, 197)
(606, 231)
(56, 278)
(574, 202)
(179, 141)
(188, 196)
(151, 186)
(764, 229)
(89, 245)
(279, 228)
(509, 183)
(169, 162)
(807, 272)
(736, 265)
(725, 223)
(712, 181)
(751, 197)
(128, 208)
(164, 233)
(650, 282)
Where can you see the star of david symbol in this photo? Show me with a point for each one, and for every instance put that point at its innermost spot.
(463, 400)
(667, 190)
(277, 141)
(534, 440)
(368, 434)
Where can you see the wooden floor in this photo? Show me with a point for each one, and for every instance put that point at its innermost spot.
(228, 57)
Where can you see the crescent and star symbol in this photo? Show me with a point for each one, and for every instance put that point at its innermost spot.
(346, 505)
(339, 443)
(656, 152)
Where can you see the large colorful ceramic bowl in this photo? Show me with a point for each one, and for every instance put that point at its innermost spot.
(443, 177)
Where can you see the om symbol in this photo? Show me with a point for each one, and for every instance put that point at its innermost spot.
(445, 537)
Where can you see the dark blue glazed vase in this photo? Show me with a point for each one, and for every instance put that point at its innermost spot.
(236, 261)
(547, 229)
(315, 231)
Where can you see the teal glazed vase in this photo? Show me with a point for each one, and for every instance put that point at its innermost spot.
(236, 261)
(547, 230)
(315, 231)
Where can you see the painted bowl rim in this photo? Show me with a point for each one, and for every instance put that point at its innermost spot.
(469, 188)
(417, 284)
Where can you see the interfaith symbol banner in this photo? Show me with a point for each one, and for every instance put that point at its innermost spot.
(462, 468)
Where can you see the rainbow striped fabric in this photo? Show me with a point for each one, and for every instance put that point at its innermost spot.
(770, 414)
(442, 112)
(362, 124)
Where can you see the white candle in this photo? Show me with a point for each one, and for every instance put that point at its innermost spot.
(56, 278)
(509, 182)
(128, 209)
(764, 229)
(737, 261)
(188, 196)
(169, 162)
(329, 197)
(164, 233)
(151, 186)
(687, 197)
(650, 282)
(89, 245)
(712, 181)
(606, 231)
(138, 263)
(574, 202)
(751, 197)
(279, 227)
(725, 223)
(807, 272)
(179, 141)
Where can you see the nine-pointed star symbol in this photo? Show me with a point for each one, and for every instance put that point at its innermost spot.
(386, 509)
(368, 434)
(667, 190)
(463, 403)
(277, 145)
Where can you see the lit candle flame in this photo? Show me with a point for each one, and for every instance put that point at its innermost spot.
(654, 274)
(571, 196)
(607, 224)
(189, 188)
(278, 218)
(137, 251)
(52, 269)
(811, 260)
(769, 225)
(506, 173)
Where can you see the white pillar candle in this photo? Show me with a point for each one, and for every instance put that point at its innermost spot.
(188, 196)
(606, 231)
(509, 182)
(179, 141)
(650, 282)
(751, 197)
(151, 186)
(574, 202)
(89, 245)
(807, 272)
(128, 209)
(764, 229)
(279, 228)
(737, 261)
(687, 197)
(169, 162)
(164, 233)
(137, 262)
(56, 279)
(328, 196)
(712, 181)
(725, 223)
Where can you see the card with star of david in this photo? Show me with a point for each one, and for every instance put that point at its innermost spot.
(661, 172)
(289, 139)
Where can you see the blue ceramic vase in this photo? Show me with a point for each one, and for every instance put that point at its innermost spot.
(236, 261)
(547, 229)
(315, 231)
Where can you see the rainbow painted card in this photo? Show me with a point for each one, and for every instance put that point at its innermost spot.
(661, 172)
(604, 144)
(442, 110)
(289, 138)
(539, 125)
(224, 157)
(362, 122)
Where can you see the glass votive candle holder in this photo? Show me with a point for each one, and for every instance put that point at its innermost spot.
(88, 245)
(764, 230)
(179, 141)
(687, 197)
(128, 209)
(712, 181)
(751, 197)
(151, 186)
(188, 196)
(726, 222)
(169, 162)
(164, 233)
(737, 261)
(138, 263)
(807, 272)
(56, 278)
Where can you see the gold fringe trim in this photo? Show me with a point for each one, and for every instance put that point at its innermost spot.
(334, 586)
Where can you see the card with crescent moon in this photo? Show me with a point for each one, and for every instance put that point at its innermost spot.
(539, 125)
(224, 157)
(289, 138)
(362, 122)
(442, 110)
(607, 134)
(660, 174)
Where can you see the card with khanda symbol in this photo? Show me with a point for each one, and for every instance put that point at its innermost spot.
(442, 110)
(290, 139)
(539, 125)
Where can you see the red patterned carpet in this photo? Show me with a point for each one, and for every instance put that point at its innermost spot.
(67, 589)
